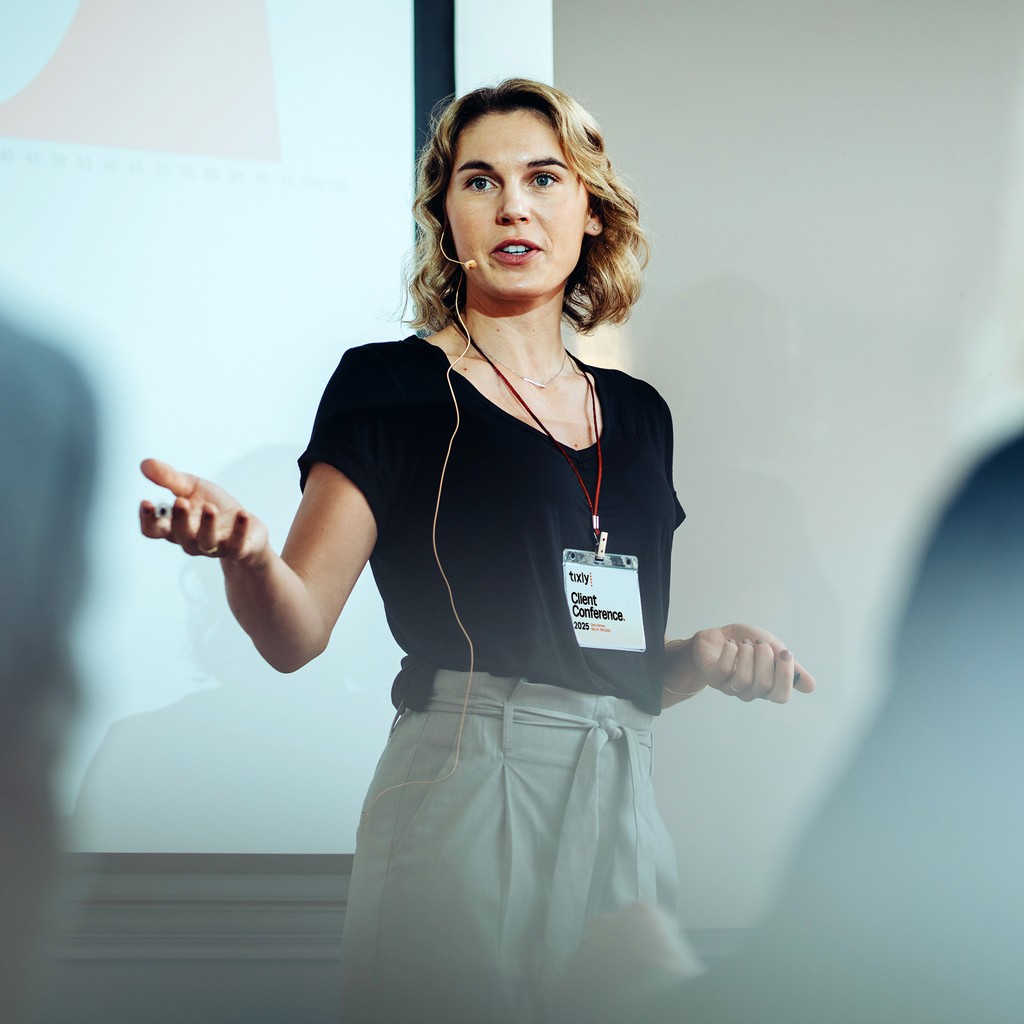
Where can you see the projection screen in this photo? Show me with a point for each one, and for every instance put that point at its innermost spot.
(206, 202)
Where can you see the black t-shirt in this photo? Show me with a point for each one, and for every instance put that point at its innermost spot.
(509, 506)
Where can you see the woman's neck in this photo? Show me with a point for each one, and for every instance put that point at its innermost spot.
(529, 343)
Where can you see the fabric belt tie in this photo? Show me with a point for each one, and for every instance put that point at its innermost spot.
(577, 850)
(580, 841)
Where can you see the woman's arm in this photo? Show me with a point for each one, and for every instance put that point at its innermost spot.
(287, 603)
(741, 661)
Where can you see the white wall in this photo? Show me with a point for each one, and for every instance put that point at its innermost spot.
(833, 310)
(492, 43)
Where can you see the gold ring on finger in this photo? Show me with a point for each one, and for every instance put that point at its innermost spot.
(209, 552)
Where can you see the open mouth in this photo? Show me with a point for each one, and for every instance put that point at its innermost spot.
(516, 252)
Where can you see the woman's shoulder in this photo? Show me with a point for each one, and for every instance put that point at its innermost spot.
(386, 361)
(406, 351)
(620, 386)
(379, 373)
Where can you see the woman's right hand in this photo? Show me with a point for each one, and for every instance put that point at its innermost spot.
(204, 519)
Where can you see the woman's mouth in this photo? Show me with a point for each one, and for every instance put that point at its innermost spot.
(514, 253)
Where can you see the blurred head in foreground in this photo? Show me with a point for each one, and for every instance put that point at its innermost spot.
(47, 451)
(905, 901)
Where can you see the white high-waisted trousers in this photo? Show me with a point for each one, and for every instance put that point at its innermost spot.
(470, 888)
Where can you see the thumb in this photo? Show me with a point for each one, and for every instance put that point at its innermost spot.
(165, 475)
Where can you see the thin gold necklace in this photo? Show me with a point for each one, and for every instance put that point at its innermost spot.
(529, 380)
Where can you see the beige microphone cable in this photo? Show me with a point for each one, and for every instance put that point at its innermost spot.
(447, 583)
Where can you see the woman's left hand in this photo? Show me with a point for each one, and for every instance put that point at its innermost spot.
(741, 661)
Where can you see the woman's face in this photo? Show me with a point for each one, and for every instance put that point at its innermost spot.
(516, 208)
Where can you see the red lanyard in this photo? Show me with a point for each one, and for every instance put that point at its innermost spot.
(592, 503)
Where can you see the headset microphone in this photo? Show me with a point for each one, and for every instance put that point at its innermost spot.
(468, 265)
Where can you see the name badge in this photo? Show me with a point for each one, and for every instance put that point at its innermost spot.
(604, 600)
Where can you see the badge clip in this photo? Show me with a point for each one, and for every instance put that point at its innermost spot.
(602, 543)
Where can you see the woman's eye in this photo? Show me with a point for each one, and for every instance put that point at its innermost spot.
(478, 184)
(544, 179)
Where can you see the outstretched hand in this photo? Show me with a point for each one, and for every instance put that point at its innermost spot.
(741, 661)
(204, 519)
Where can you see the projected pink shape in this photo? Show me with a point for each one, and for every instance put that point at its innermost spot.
(184, 76)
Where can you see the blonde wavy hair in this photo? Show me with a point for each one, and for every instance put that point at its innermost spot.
(606, 281)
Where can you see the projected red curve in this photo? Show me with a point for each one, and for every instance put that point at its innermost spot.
(183, 76)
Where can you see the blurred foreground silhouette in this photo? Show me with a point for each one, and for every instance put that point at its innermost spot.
(905, 901)
(47, 453)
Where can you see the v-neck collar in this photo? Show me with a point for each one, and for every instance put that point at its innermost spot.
(482, 400)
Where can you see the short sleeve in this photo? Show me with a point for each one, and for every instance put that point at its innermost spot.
(680, 511)
(361, 428)
(667, 433)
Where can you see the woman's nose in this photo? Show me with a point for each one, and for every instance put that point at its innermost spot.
(513, 209)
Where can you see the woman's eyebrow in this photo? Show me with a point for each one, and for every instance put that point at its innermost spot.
(483, 165)
(474, 165)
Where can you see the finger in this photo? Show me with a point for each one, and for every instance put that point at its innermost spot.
(151, 525)
(764, 671)
(184, 524)
(234, 545)
(743, 674)
(782, 687)
(206, 535)
(803, 681)
(720, 671)
(165, 475)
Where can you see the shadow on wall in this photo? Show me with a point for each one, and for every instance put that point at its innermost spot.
(751, 440)
(247, 738)
(747, 371)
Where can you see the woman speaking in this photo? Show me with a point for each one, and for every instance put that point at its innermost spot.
(517, 510)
